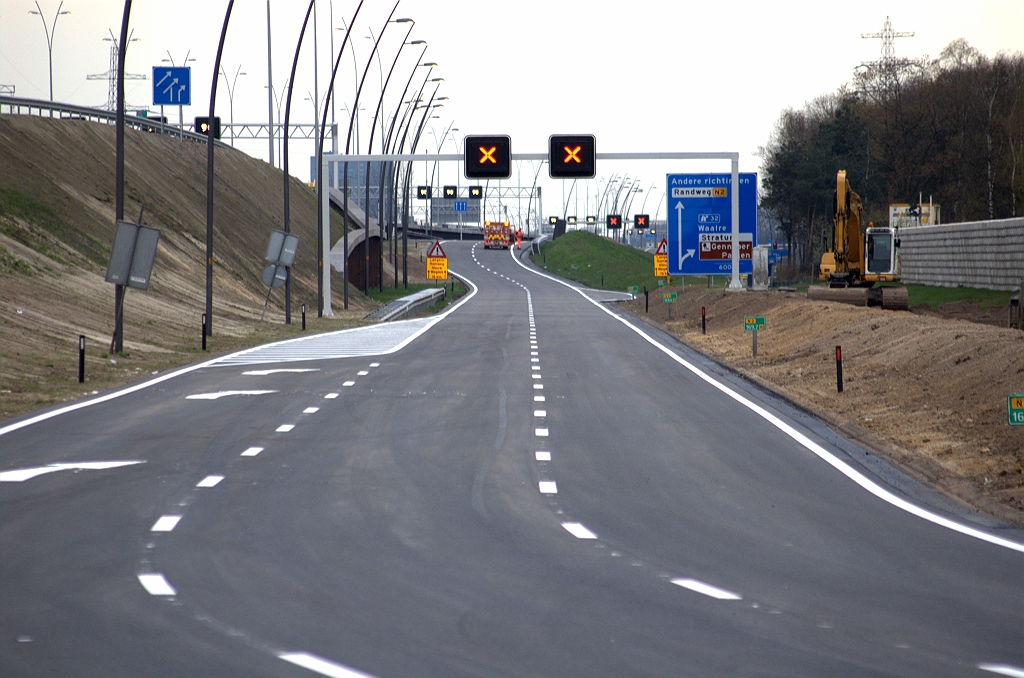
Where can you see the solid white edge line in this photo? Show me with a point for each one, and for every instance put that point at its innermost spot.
(165, 524)
(216, 361)
(841, 466)
(1003, 670)
(706, 589)
(156, 585)
(321, 665)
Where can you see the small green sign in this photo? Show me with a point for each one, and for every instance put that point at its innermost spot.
(661, 282)
(573, 266)
(669, 297)
(753, 323)
(1015, 409)
(634, 289)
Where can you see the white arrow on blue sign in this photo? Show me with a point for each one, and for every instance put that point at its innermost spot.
(172, 86)
(461, 205)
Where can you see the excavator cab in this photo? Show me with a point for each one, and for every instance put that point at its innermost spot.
(883, 259)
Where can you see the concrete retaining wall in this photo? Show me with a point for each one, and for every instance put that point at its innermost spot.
(987, 254)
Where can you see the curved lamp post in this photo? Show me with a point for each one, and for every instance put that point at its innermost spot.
(49, 34)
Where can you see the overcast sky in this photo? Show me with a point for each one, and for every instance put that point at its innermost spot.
(640, 75)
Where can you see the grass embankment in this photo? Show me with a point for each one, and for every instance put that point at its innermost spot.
(933, 296)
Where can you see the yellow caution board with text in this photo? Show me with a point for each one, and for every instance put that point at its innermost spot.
(661, 259)
(437, 263)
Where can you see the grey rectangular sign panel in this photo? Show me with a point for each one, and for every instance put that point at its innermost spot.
(273, 254)
(120, 264)
(288, 250)
(146, 241)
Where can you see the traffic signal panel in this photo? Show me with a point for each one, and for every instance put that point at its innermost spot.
(451, 192)
(488, 157)
(476, 192)
(423, 192)
(572, 156)
(614, 221)
(641, 221)
(202, 126)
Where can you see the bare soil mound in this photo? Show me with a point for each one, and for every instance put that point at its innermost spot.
(926, 391)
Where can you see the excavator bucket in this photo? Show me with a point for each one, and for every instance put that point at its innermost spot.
(894, 298)
(858, 296)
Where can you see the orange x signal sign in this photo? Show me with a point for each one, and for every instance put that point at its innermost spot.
(572, 154)
(487, 154)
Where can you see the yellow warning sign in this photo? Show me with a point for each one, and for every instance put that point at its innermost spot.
(437, 268)
(660, 265)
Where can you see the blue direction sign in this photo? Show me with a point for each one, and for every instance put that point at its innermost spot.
(700, 223)
(172, 86)
(461, 205)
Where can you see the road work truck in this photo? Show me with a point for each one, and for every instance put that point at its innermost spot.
(497, 234)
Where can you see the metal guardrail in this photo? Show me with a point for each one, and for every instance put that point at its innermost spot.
(53, 109)
(407, 305)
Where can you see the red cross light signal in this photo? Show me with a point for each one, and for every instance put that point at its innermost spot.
(572, 156)
(488, 157)
(641, 220)
(614, 221)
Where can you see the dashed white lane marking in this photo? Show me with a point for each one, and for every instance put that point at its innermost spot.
(577, 530)
(362, 373)
(330, 396)
(321, 665)
(832, 460)
(548, 487)
(541, 455)
(284, 428)
(209, 481)
(374, 364)
(263, 373)
(156, 585)
(349, 383)
(311, 410)
(538, 399)
(165, 524)
(535, 367)
(539, 387)
(252, 451)
(540, 413)
(24, 474)
(221, 394)
(706, 589)
(535, 376)
(534, 353)
(1003, 670)
(541, 432)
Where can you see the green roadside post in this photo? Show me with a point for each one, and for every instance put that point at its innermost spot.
(753, 324)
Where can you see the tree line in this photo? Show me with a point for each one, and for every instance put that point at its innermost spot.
(950, 130)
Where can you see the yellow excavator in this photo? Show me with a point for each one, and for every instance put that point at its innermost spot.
(860, 258)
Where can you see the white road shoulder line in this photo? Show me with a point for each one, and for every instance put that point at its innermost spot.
(577, 530)
(263, 373)
(1003, 670)
(321, 666)
(21, 475)
(706, 589)
(221, 394)
(829, 458)
(209, 481)
(165, 524)
(156, 585)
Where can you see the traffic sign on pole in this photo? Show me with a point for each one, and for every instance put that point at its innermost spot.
(1015, 409)
(172, 85)
(460, 206)
(700, 223)
(437, 263)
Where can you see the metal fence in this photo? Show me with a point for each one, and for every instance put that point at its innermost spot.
(986, 254)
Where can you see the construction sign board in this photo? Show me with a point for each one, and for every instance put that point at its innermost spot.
(661, 259)
(437, 263)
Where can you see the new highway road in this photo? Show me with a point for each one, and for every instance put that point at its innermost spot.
(531, 484)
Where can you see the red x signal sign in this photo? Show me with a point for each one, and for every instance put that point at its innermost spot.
(488, 157)
(572, 156)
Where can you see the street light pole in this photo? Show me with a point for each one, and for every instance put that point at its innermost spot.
(231, 98)
(49, 34)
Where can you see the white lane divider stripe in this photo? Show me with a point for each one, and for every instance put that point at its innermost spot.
(548, 487)
(321, 665)
(826, 456)
(349, 383)
(222, 394)
(21, 475)
(252, 451)
(706, 589)
(165, 524)
(374, 364)
(362, 373)
(156, 585)
(577, 530)
(311, 410)
(1003, 670)
(539, 387)
(540, 413)
(209, 481)
(263, 373)
(535, 376)
(538, 399)
(542, 455)
(541, 432)
(330, 396)
(284, 428)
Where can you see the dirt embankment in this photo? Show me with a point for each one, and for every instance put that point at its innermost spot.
(56, 229)
(928, 392)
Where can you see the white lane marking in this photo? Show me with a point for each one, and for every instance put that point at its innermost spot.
(541, 455)
(535, 376)
(221, 394)
(541, 432)
(577, 530)
(321, 665)
(263, 373)
(311, 410)
(252, 451)
(156, 585)
(539, 387)
(548, 487)
(538, 399)
(374, 364)
(534, 353)
(209, 481)
(21, 475)
(349, 383)
(829, 458)
(165, 524)
(535, 367)
(330, 396)
(1003, 670)
(706, 589)
(362, 373)
(284, 428)
(534, 360)
(540, 413)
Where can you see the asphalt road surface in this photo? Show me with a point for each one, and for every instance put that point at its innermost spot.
(530, 485)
